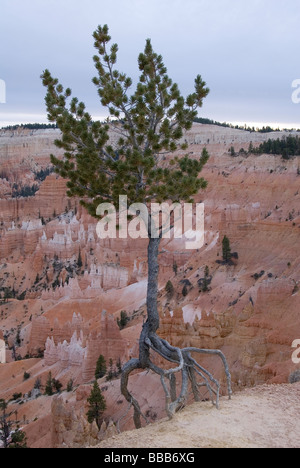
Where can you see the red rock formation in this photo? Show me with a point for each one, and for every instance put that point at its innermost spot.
(251, 311)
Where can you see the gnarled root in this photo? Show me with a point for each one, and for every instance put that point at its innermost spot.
(185, 364)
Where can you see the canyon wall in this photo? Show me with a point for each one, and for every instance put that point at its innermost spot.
(57, 278)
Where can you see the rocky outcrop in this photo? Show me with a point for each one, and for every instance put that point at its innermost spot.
(70, 428)
(251, 310)
(2, 349)
(83, 348)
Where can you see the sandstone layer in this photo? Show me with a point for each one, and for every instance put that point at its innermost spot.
(57, 278)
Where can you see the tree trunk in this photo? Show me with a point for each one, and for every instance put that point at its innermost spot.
(181, 359)
(152, 291)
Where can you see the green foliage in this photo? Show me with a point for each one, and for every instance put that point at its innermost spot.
(97, 405)
(48, 388)
(57, 385)
(32, 126)
(287, 147)
(79, 260)
(43, 173)
(9, 437)
(226, 249)
(101, 368)
(52, 385)
(150, 122)
(70, 385)
(206, 280)
(294, 377)
(170, 289)
(185, 291)
(26, 376)
(124, 319)
(24, 191)
(18, 440)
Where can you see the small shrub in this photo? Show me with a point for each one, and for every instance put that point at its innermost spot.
(124, 319)
(101, 368)
(294, 377)
(70, 385)
(170, 289)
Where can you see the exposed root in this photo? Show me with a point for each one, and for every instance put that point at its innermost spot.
(186, 365)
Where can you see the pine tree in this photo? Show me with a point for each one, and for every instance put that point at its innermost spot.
(119, 366)
(11, 438)
(97, 405)
(79, 260)
(124, 319)
(149, 121)
(5, 424)
(48, 388)
(70, 385)
(226, 249)
(100, 368)
(206, 280)
(18, 440)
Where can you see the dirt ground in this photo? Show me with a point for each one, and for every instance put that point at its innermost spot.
(262, 417)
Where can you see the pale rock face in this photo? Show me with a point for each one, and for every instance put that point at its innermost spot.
(83, 349)
(2, 351)
(70, 428)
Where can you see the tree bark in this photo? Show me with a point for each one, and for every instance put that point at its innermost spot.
(183, 361)
(152, 290)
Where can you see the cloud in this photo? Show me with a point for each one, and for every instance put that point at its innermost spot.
(246, 51)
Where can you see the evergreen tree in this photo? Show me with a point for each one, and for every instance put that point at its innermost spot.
(79, 260)
(124, 319)
(57, 385)
(48, 388)
(52, 385)
(70, 385)
(10, 438)
(100, 367)
(226, 249)
(97, 405)
(18, 440)
(149, 122)
(206, 280)
(119, 366)
(5, 424)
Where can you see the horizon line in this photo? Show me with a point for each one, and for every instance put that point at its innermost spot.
(24, 119)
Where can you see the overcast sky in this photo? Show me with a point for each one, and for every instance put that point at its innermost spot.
(246, 50)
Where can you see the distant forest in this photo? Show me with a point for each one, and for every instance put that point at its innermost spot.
(205, 121)
(34, 126)
(287, 147)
